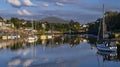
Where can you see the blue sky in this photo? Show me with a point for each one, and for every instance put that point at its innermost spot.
(82, 11)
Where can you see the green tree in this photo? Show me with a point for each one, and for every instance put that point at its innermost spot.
(1, 18)
(112, 20)
(16, 22)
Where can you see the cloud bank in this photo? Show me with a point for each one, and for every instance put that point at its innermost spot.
(15, 3)
(79, 10)
(59, 4)
(28, 3)
(20, 3)
(24, 12)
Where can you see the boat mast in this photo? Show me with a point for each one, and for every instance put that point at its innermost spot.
(32, 27)
(100, 24)
(103, 24)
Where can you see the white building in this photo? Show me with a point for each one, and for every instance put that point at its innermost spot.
(2, 23)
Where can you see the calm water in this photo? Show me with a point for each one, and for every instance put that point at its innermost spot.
(62, 51)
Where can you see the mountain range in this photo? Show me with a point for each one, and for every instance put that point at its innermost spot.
(54, 20)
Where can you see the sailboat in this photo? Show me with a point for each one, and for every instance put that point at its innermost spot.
(106, 45)
(31, 38)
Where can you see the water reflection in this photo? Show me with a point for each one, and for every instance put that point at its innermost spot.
(72, 40)
(107, 58)
(60, 51)
(111, 56)
(10, 43)
(14, 62)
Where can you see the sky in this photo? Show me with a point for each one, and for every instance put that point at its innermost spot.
(83, 11)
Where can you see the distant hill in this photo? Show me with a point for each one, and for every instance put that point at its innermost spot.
(54, 20)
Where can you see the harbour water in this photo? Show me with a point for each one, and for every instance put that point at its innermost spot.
(61, 51)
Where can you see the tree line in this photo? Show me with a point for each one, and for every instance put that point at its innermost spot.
(61, 27)
(112, 22)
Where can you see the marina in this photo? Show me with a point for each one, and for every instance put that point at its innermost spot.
(59, 33)
(64, 50)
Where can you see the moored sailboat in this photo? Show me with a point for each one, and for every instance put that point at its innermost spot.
(105, 44)
(31, 37)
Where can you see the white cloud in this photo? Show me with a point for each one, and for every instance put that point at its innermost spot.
(59, 4)
(25, 3)
(24, 12)
(15, 3)
(70, 1)
(28, 3)
(45, 5)
(19, 12)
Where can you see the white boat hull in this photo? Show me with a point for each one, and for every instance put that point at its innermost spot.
(31, 39)
(10, 37)
(102, 47)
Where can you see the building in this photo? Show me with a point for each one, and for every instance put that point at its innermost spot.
(84, 28)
